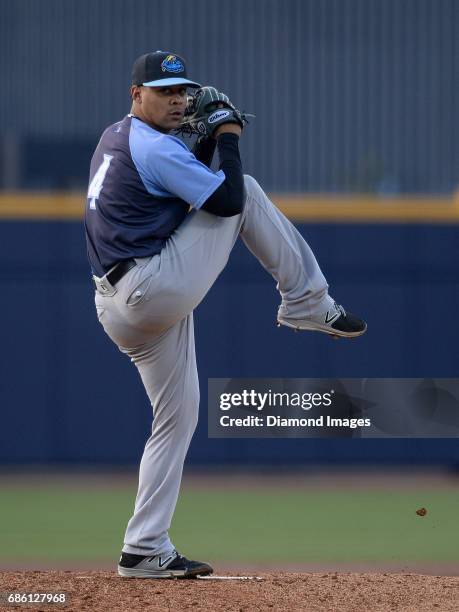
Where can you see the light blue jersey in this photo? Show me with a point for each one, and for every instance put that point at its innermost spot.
(168, 168)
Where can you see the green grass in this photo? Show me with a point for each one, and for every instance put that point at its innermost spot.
(264, 525)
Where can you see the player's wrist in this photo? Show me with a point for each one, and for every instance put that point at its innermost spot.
(227, 128)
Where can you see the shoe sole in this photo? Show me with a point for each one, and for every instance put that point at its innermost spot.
(325, 329)
(132, 572)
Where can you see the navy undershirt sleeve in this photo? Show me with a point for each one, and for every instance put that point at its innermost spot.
(204, 150)
(228, 199)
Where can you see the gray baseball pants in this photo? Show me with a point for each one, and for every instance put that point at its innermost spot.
(149, 316)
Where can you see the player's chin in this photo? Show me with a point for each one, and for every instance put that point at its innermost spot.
(174, 121)
(169, 123)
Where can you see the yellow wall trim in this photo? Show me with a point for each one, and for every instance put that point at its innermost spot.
(298, 207)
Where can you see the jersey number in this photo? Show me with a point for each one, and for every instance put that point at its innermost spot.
(97, 182)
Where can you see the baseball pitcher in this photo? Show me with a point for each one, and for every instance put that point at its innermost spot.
(160, 226)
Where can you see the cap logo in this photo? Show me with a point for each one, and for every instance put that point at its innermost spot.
(172, 64)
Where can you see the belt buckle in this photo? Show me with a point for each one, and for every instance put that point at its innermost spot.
(101, 286)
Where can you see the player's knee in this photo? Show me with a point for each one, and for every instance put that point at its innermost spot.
(189, 420)
(250, 183)
(186, 413)
(192, 409)
(251, 186)
(182, 419)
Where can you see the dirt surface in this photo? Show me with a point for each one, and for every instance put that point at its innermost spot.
(324, 592)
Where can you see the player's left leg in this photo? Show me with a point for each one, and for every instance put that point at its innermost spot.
(168, 287)
(198, 251)
(285, 254)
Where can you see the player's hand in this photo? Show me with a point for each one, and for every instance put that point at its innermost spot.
(226, 128)
(209, 110)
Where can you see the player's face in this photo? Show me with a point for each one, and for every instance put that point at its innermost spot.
(161, 107)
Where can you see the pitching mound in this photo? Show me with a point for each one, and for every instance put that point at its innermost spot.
(284, 591)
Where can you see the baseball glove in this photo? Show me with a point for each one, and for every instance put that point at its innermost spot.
(207, 109)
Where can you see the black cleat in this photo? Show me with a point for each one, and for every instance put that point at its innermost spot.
(335, 322)
(161, 566)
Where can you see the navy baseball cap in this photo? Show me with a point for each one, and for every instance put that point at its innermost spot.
(160, 69)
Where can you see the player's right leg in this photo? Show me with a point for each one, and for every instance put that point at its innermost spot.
(166, 362)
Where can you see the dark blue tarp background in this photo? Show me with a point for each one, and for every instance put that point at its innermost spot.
(68, 395)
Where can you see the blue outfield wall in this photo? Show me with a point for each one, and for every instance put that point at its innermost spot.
(68, 395)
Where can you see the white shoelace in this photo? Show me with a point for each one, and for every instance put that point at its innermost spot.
(340, 309)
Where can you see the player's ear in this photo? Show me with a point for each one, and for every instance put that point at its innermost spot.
(136, 93)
